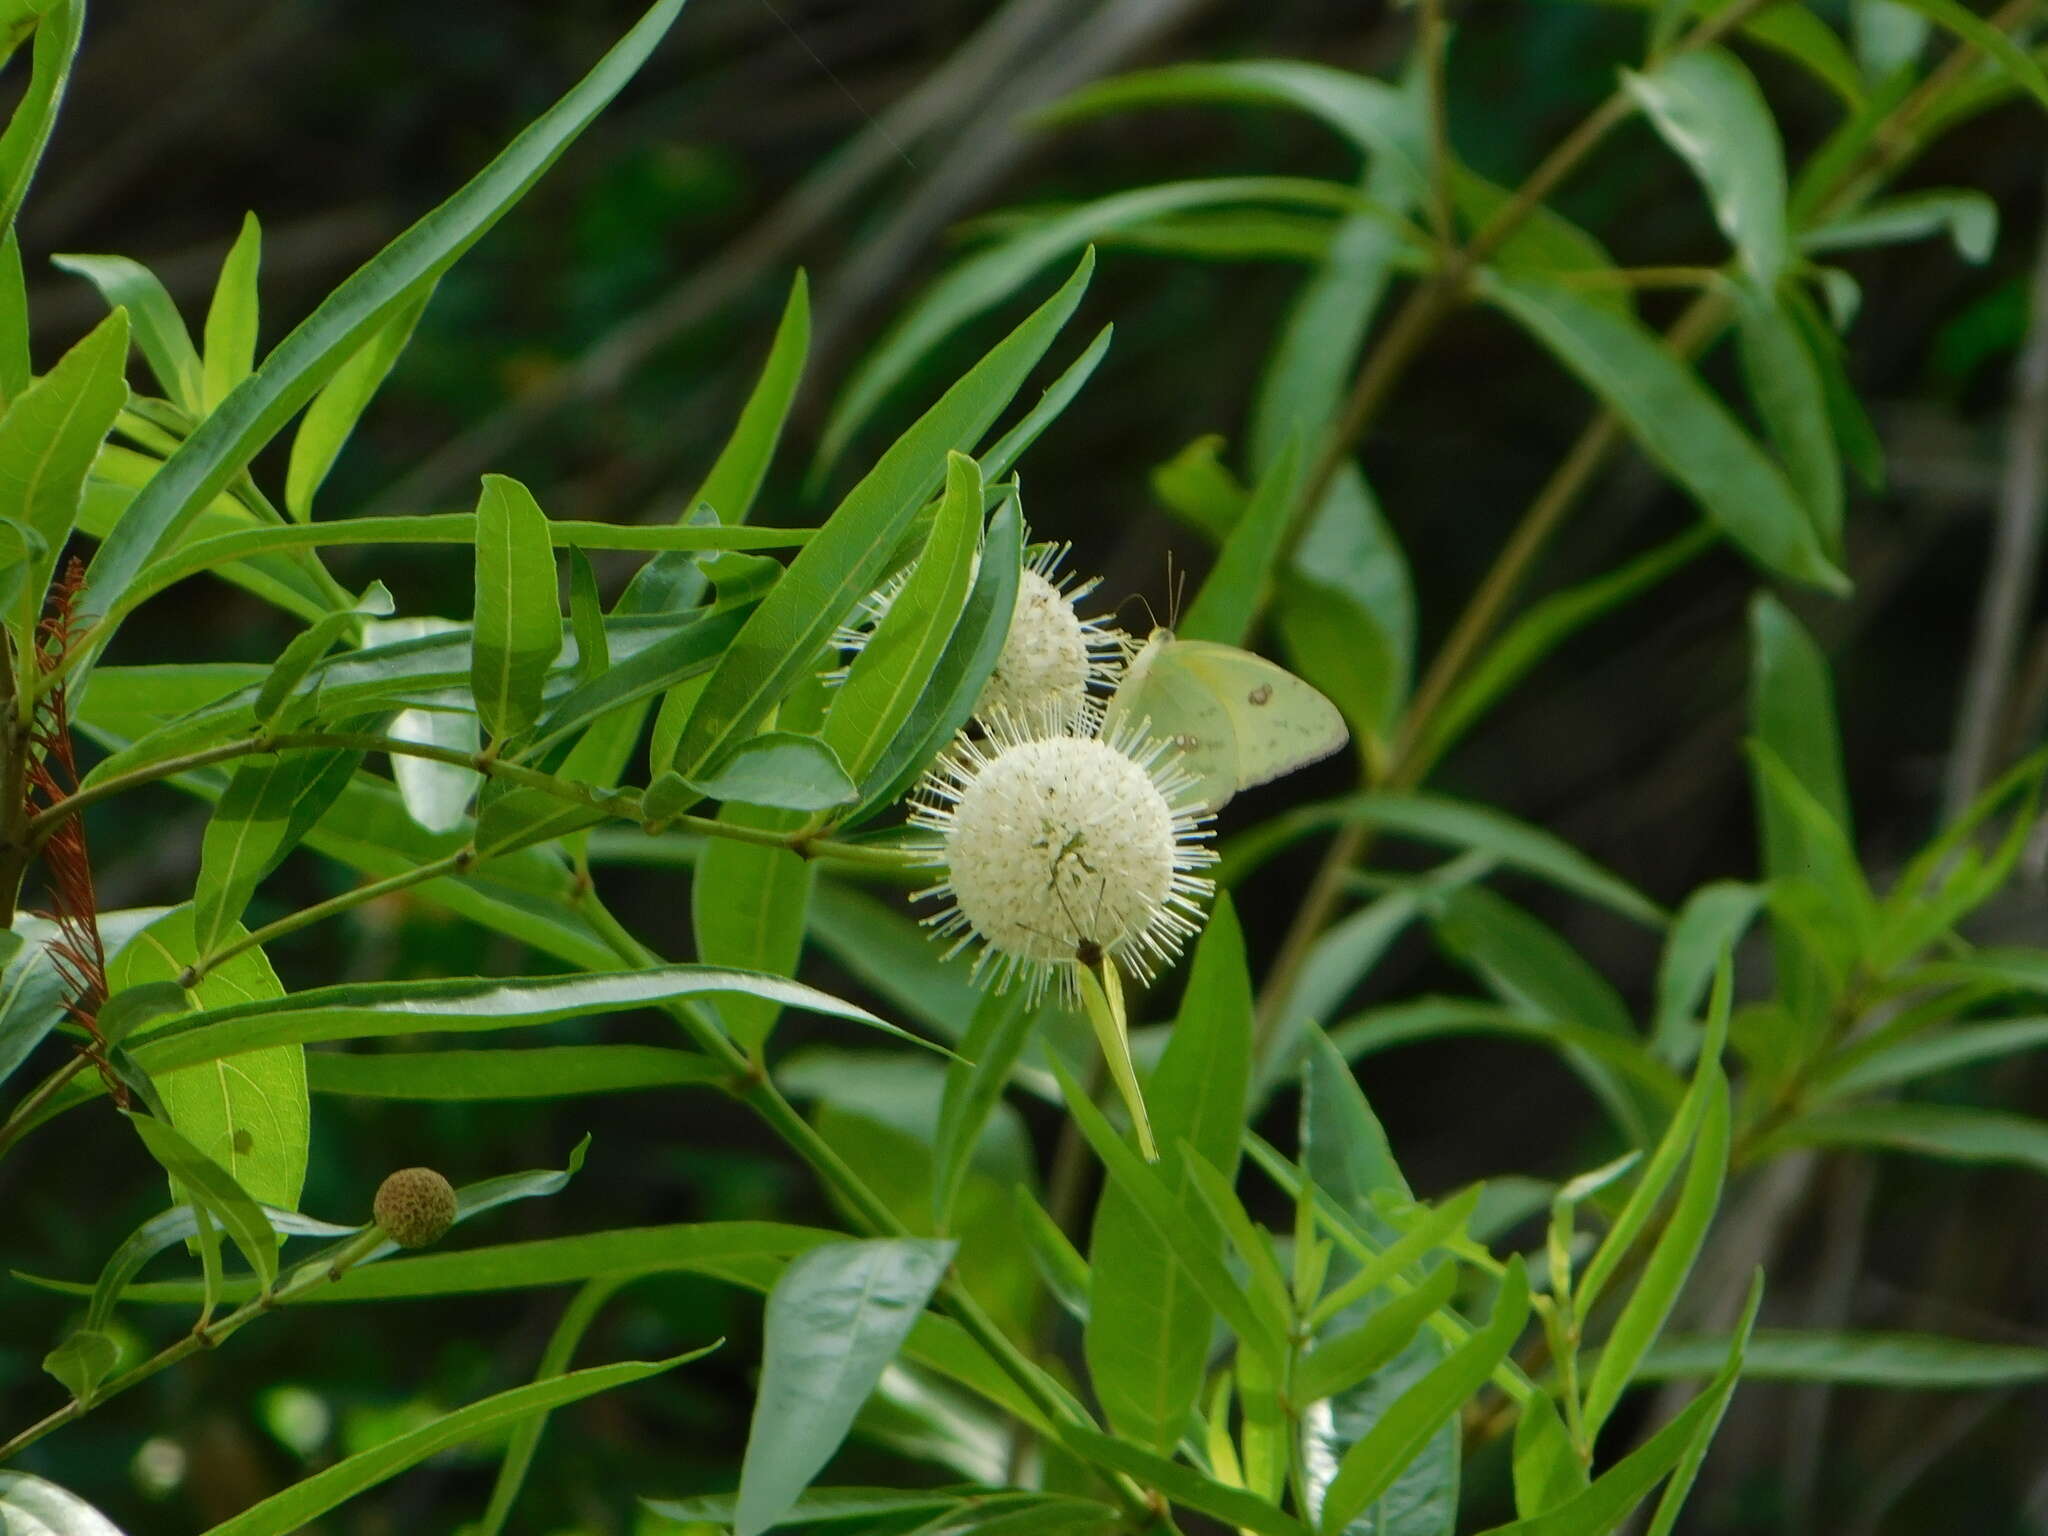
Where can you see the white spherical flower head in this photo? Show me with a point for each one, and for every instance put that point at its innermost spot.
(1050, 657)
(1063, 850)
(1052, 654)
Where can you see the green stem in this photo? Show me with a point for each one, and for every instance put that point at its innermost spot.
(622, 806)
(306, 1278)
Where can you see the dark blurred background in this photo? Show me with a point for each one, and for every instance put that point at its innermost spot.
(598, 344)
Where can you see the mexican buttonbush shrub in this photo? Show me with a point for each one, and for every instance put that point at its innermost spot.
(911, 737)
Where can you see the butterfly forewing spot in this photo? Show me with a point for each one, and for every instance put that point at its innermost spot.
(1260, 695)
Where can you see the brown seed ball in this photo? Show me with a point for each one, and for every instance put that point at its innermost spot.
(415, 1206)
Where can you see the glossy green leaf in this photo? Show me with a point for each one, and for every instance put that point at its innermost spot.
(16, 371)
(1707, 927)
(1598, 1055)
(1545, 242)
(884, 683)
(1681, 1133)
(259, 407)
(58, 27)
(159, 330)
(1949, 1133)
(1149, 1324)
(1200, 489)
(1708, 108)
(735, 476)
(48, 440)
(1679, 1444)
(249, 1115)
(685, 654)
(1236, 587)
(962, 673)
(1374, 116)
(779, 770)
(1678, 421)
(29, 1505)
(1967, 217)
(537, 1072)
(842, 563)
(1183, 1485)
(996, 1037)
(991, 277)
(1341, 1362)
(1351, 635)
(835, 1320)
(1664, 1276)
(313, 1496)
(1370, 1466)
(32, 987)
(1439, 819)
(80, 1363)
(272, 801)
(332, 417)
(586, 618)
(824, 1505)
(204, 1180)
(1792, 712)
(296, 660)
(1906, 1361)
(891, 955)
(1058, 395)
(371, 1009)
(747, 906)
(1547, 1468)
(1528, 964)
(518, 630)
(1784, 382)
(231, 318)
(1972, 29)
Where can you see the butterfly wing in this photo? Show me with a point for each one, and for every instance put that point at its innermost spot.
(1278, 722)
(1181, 709)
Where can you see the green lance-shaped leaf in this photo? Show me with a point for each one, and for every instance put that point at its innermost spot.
(48, 440)
(1547, 1468)
(1906, 1361)
(204, 1180)
(308, 1499)
(1414, 1418)
(835, 1320)
(675, 578)
(962, 671)
(1183, 1485)
(1784, 382)
(271, 803)
(586, 618)
(1678, 421)
(747, 905)
(518, 630)
(250, 1115)
(893, 669)
(231, 319)
(1708, 108)
(992, 276)
(58, 28)
(537, 1072)
(1340, 1363)
(159, 329)
(34, 1506)
(1642, 1318)
(778, 770)
(259, 407)
(332, 417)
(1974, 30)
(845, 559)
(16, 371)
(1237, 584)
(1165, 1219)
(1002, 1023)
(296, 660)
(1149, 1326)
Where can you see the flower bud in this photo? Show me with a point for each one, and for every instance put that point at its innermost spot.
(415, 1207)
